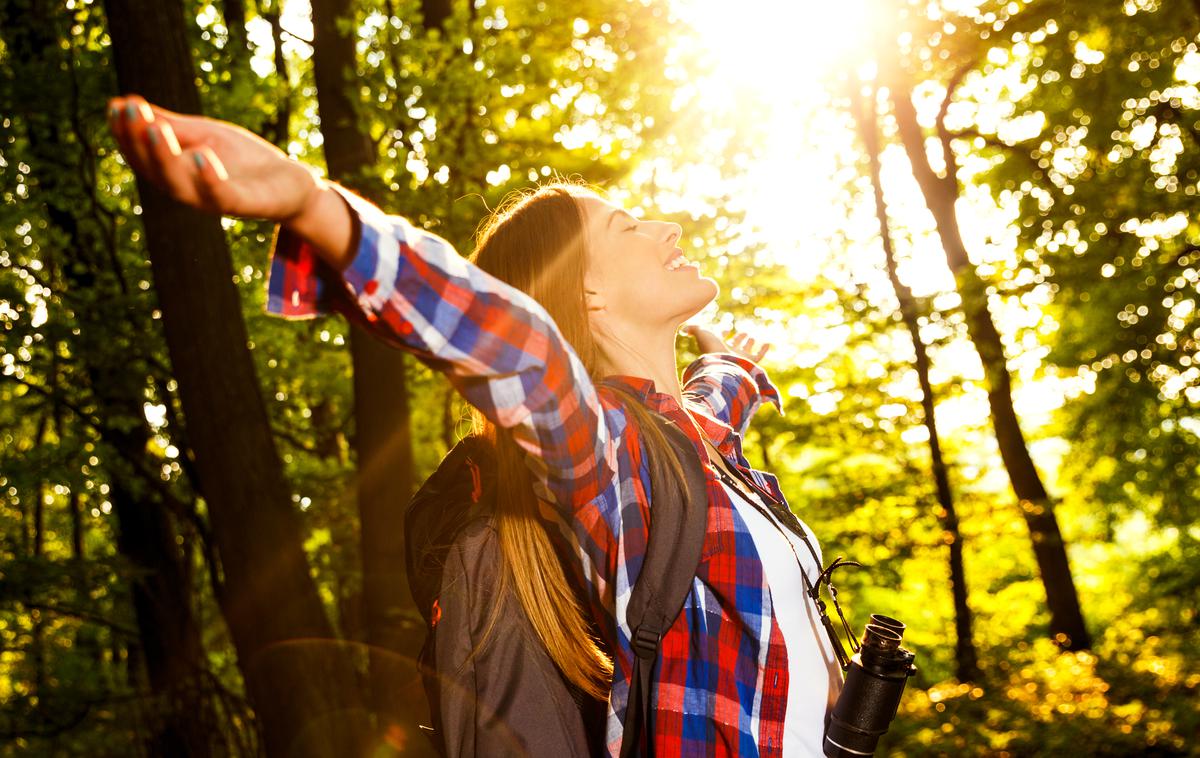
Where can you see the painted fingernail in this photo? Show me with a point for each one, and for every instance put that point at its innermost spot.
(199, 160)
(114, 112)
(131, 111)
(152, 133)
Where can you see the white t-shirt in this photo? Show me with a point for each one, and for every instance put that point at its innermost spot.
(814, 677)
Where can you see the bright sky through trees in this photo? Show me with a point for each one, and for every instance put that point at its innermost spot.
(797, 58)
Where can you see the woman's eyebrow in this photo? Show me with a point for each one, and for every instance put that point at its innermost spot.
(618, 212)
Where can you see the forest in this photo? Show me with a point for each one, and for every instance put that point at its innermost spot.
(968, 228)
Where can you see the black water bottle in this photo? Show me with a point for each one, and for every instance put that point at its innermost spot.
(874, 682)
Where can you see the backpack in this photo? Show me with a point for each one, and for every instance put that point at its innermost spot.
(509, 698)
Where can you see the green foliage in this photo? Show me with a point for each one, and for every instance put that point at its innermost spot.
(1107, 192)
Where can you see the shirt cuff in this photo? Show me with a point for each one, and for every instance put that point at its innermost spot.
(755, 375)
(300, 284)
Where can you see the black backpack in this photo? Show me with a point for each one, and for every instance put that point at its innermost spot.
(509, 698)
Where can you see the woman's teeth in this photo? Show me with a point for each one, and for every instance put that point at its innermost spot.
(676, 262)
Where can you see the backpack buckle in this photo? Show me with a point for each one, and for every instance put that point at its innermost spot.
(645, 642)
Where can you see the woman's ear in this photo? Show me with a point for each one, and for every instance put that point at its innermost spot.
(593, 300)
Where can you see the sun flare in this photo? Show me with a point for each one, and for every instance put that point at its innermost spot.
(783, 49)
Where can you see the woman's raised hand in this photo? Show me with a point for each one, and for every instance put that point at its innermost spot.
(738, 343)
(208, 164)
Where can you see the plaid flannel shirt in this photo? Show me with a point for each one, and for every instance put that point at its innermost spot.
(720, 686)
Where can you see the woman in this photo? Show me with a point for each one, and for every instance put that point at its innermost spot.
(562, 335)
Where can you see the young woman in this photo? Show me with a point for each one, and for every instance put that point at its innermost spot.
(562, 334)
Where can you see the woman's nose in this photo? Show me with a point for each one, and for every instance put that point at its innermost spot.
(674, 232)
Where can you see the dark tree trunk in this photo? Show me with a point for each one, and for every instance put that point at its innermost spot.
(435, 13)
(75, 509)
(300, 680)
(234, 12)
(965, 656)
(279, 128)
(161, 592)
(382, 439)
(1066, 619)
(37, 633)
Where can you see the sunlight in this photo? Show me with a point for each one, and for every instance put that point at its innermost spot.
(781, 49)
(784, 56)
(798, 193)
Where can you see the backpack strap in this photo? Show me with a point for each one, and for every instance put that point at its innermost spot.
(678, 522)
(459, 491)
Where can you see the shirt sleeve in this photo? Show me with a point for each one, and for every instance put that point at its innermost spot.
(497, 345)
(731, 386)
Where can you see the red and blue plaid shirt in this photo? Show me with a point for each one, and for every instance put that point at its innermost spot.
(720, 686)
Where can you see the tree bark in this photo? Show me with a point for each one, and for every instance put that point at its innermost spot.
(965, 656)
(382, 440)
(300, 680)
(1066, 619)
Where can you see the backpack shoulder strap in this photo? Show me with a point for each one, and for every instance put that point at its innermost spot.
(460, 490)
(678, 521)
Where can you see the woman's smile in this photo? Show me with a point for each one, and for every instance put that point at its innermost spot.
(678, 261)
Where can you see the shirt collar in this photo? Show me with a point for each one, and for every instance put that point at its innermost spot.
(720, 434)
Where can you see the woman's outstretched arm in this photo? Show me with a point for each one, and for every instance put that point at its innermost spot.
(336, 251)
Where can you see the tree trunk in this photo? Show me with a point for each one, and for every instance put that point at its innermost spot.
(300, 680)
(965, 656)
(435, 13)
(382, 439)
(237, 47)
(1066, 619)
(278, 130)
(160, 592)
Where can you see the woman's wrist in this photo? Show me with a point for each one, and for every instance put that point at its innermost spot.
(324, 222)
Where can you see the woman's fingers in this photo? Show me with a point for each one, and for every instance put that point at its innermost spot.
(148, 137)
(118, 123)
(134, 118)
(745, 345)
(192, 131)
(208, 176)
(738, 342)
(176, 176)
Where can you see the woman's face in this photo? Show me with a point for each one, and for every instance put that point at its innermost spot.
(637, 274)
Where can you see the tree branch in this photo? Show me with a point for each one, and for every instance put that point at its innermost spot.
(913, 138)
(943, 134)
(91, 420)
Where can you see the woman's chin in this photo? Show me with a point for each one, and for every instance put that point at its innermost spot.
(705, 291)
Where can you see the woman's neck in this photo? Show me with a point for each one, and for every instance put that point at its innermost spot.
(648, 355)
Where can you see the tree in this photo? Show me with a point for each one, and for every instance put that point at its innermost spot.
(941, 192)
(1112, 230)
(382, 439)
(283, 638)
(965, 656)
(86, 274)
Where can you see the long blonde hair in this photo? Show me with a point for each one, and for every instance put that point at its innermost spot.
(536, 242)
